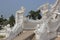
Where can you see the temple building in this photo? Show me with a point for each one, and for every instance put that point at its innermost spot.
(47, 28)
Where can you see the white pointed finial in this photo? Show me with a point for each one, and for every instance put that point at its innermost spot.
(22, 8)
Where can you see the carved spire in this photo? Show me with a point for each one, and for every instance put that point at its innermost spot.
(22, 10)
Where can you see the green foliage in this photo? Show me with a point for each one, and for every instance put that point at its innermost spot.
(4, 21)
(1, 36)
(34, 15)
(11, 20)
(1, 27)
(1, 20)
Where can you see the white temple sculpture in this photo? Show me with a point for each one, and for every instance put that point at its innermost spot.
(19, 14)
(48, 29)
(18, 27)
(44, 8)
(45, 28)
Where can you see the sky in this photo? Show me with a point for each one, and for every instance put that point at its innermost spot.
(9, 7)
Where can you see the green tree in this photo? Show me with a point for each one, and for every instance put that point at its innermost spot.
(34, 15)
(1, 27)
(11, 20)
(1, 20)
(5, 22)
(38, 15)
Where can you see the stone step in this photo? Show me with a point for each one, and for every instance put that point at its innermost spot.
(58, 38)
(26, 35)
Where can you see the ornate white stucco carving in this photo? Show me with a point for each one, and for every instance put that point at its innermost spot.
(51, 23)
(18, 27)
